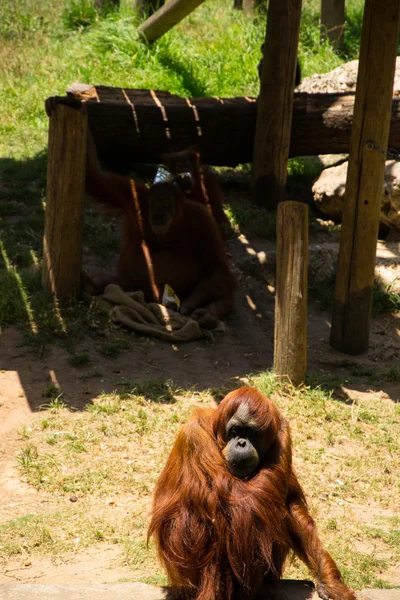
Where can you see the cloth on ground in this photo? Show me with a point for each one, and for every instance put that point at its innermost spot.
(149, 318)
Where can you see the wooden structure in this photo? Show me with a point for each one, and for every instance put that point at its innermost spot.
(137, 125)
(333, 21)
(62, 244)
(134, 126)
(290, 339)
(369, 140)
(275, 104)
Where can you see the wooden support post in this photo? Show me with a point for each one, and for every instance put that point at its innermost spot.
(290, 340)
(368, 145)
(167, 17)
(275, 103)
(62, 243)
(332, 21)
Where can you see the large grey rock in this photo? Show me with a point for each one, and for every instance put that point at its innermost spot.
(329, 189)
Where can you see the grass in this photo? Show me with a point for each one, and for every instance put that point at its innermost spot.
(345, 454)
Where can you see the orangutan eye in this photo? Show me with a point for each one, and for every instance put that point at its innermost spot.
(234, 431)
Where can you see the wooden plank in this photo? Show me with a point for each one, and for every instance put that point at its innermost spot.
(333, 21)
(167, 17)
(275, 103)
(290, 339)
(62, 243)
(369, 140)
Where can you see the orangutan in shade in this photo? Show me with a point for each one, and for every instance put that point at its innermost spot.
(168, 239)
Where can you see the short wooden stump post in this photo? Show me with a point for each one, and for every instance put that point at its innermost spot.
(290, 340)
(62, 243)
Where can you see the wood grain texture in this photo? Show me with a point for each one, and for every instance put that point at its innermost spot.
(275, 103)
(130, 126)
(62, 243)
(333, 21)
(369, 140)
(290, 339)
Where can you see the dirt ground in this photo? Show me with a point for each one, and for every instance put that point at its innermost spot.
(245, 347)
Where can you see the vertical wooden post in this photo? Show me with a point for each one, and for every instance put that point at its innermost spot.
(275, 103)
(62, 243)
(368, 145)
(290, 340)
(167, 17)
(332, 21)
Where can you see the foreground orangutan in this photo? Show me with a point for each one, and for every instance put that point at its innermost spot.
(199, 183)
(167, 239)
(228, 508)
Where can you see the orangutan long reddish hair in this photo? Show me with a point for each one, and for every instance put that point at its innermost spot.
(228, 508)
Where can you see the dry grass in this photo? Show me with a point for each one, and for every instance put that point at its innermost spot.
(109, 456)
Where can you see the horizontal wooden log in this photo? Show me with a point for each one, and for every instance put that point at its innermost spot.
(137, 126)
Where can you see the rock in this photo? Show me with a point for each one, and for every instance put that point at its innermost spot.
(341, 79)
(329, 188)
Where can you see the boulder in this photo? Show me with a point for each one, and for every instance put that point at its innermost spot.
(329, 188)
(341, 79)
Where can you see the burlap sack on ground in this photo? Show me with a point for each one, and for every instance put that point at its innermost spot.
(149, 318)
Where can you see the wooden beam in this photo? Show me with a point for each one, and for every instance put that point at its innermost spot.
(290, 339)
(333, 21)
(167, 17)
(368, 145)
(275, 103)
(62, 243)
(129, 125)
